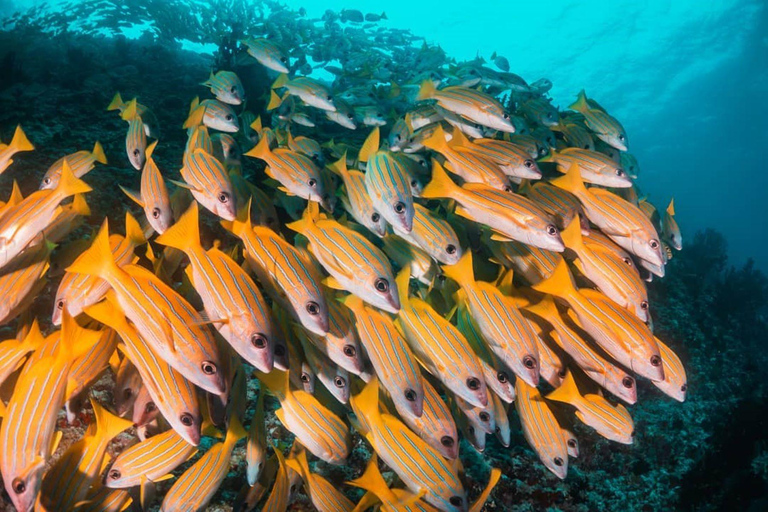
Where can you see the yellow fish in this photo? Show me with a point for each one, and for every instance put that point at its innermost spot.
(80, 163)
(323, 494)
(602, 124)
(22, 279)
(541, 429)
(356, 200)
(675, 383)
(153, 195)
(469, 103)
(256, 446)
(18, 143)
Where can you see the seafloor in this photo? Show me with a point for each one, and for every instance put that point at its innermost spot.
(709, 453)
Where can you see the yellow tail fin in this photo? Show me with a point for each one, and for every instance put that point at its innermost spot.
(441, 185)
(69, 184)
(235, 431)
(671, 207)
(260, 150)
(568, 392)
(116, 103)
(184, 235)
(477, 505)
(462, 272)
(195, 117)
(571, 235)
(372, 481)
(370, 146)
(276, 381)
(571, 181)
(559, 284)
(133, 231)
(98, 259)
(20, 142)
(274, 100)
(280, 81)
(98, 153)
(366, 404)
(427, 90)
(403, 282)
(436, 140)
(107, 424)
(580, 105)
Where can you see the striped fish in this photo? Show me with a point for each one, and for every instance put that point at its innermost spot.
(501, 415)
(284, 273)
(278, 498)
(419, 466)
(306, 146)
(440, 347)
(506, 332)
(333, 377)
(70, 478)
(541, 429)
(481, 419)
(623, 222)
(552, 366)
(341, 344)
(391, 357)
(24, 451)
(18, 143)
(675, 383)
(161, 316)
(531, 263)
(256, 446)
(173, 395)
(595, 167)
(510, 215)
(151, 124)
(103, 499)
(434, 235)
(604, 372)
(612, 276)
(13, 351)
(196, 486)
(576, 136)
(135, 137)
(268, 53)
(231, 299)
(324, 495)
(356, 200)
(78, 291)
(540, 111)
(670, 231)
(310, 91)
(296, 172)
(210, 185)
(392, 500)
(620, 333)
(422, 266)
(355, 264)
(87, 369)
(22, 279)
(226, 86)
(472, 104)
(213, 114)
(80, 163)
(22, 222)
(602, 124)
(512, 159)
(560, 204)
(612, 422)
(153, 195)
(227, 150)
(315, 426)
(197, 138)
(571, 442)
(150, 460)
(127, 385)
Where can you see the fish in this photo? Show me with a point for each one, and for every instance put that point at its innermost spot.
(541, 429)
(333, 377)
(501, 62)
(354, 263)
(356, 200)
(675, 383)
(174, 330)
(612, 422)
(324, 495)
(268, 53)
(136, 137)
(509, 215)
(440, 346)
(278, 498)
(434, 235)
(22, 279)
(21, 223)
(670, 231)
(530, 263)
(310, 91)
(18, 143)
(87, 369)
(513, 160)
(213, 114)
(153, 195)
(560, 204)
(210, 184)
(127, 385)
(14, 351)
(602, 124)
(226, 86)
(314, 425)
(256, 445)
(226, 150)
(196, 486)
(473, 105)
(421, 468)
(422, 266)
(103, 499)
(80, 163)
(502, 428)
(391, 357)
(149, 120)
(595, 167)
(231, 299)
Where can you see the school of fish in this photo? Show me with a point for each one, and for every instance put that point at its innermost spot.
(457, 246)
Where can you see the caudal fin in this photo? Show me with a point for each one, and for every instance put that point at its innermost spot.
(260, 150)
(98, 153)
(184, 235)
(568, 392)
(559, 284)
(20, 142)
(580, 105)
(426, 91)
(98, 259)
(370, 146)
(441, 185)
(462, 272)
(107, 424)
(372, 481)
(69, 184)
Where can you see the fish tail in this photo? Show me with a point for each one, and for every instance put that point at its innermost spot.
(571, 235)
(131, 110)
(116, 103)
(280, 81)
(580, 104)
(274, 100)
(276, 381)
(20, 142)
(98, 153)
(545, 308)
(34, 337)
(195, 118)
(311, 213)
(384, 15)
(98, 259)
(339, 167)
(559, 284)
(184, 235)
(403, 281)
(260, 150)
(256, 125)
(107, 424)
(571, 180)
(235, 431)
(69, 184)
(370, 146)
(568, 392)
(437, 140)
(150, 149)
(671, 207)
(462, 271)
(477, 505)
(371, 479)
(426, 91)
(80, 207)
(242, 223)
(366, 405)
(133, 231)
(441, 185)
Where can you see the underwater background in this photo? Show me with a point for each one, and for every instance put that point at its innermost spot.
(687, 79)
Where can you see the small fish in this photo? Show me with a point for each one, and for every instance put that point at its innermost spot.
(308, 90)
(595, 167)
(226, 150)
(333, 377)
(153, 196)
(354, 263)
(501, 62)
(256, 445)
(421, 265)
(675, 383)
(278, 499)
(14, 351)
(607, 128)
(356, 200)
(502, 429)
(87, 369)
(267, 53)
(540, 111)
(512, 159)
(670, 231)
(612, 422)
(541, 429)
(560, 204)
(474, 105)
(80, 163)
(213, 114)
(324, 495)
(226, 86)
(127, 385)
(434, 235)
(373, 17)
(18, 143)
(22, 279)
(136, 137)
(210, 184)
(148, 118)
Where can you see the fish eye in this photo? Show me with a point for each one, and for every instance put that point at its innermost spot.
(628, 261)
(228, 117)
(283, 60)
(223, 197)
(315, 157)
(628, 382)
(258, 340)
(136, 152)
(18, 485)
(280, 350)
(572, 443)
(484, 416)
(397, 136)
(414, 183)
(47, 181)
(528, 164)
(654, 244)
(155, 213)
(350, 116)
(313, 308)
(529, 362)
(349, 351)
(619, 172)
(644, 305)
(621, 137)
(375, 217)
(456, 501)
(60, 304)
(329, 98)
(312, 182)
(655, 360)
(304, 377)
(208, 368)
(508, 189)
(558, 461)
(502, 377)
(549, 116)
(450, 249)
(399, 207)
(127, 393)
(471, 430)
(684, 388)
(410, 395)
(552, 230)
(447, 441)
(233, 89)
(150, 407)
(114, 474)
(561, 373)
(339, 382)
(473, 383)
(293, 488)
(505, 115)
(381, 285)
(498, 430)
(187, 420)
